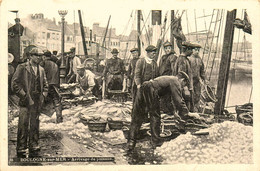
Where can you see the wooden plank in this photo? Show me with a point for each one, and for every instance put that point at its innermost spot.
(225, 63)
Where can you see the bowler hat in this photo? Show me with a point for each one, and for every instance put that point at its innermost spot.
(134, 49)
(114, 51)
(151, 48)
(167, 43)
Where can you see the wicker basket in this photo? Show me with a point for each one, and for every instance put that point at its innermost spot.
(97, 126)
(115, 125)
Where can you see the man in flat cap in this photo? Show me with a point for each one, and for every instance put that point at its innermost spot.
(146, 69)
(167, 61)
(131, 68)
(114, 72)
(53, 78)
(29, 83)
(183, 64)
(166, 67)
(198, 72)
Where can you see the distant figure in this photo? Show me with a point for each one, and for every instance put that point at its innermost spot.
(114, 72)
(74, 62)
(198, 74)
(131, 68)
(53, 78)
(54, 58)
(29, 83)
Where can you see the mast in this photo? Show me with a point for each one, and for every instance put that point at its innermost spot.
(82, 34)
(171, 35)
(225, 63)
(104, 39)
(139, 31)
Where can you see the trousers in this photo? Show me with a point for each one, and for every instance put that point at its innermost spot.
(28, 125)
(141, 108)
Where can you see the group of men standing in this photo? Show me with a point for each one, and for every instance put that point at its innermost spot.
(167, 87)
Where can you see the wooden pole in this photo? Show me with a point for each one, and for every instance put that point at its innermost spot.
(171, 36)
(139, 31)
(104, 39)
(83, 35)
(225, 63)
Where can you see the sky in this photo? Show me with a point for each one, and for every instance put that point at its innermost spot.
(123, 19)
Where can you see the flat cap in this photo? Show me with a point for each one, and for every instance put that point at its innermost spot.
(36, 51)
(197, 45)
(134, 49)
(114, 51)
(167, 43)
(151, 48)
(47, 53)
(188, 44)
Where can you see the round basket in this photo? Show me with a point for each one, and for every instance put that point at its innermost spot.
(115, 125)
(97, 126)
(208, 94)
(246, 119)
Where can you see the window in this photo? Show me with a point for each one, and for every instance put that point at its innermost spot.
(48, 35)
(53, 36)
(43, 35)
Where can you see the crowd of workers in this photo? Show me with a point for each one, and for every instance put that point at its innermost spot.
(172, 86)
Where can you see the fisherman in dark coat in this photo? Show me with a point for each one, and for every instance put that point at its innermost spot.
(167, 61)
(198, 73)
(166, 67)
(146, 69)
(114, 72)
(53, 78)
(183, 64)
(153, 90)
(131, 68)
(30, 84)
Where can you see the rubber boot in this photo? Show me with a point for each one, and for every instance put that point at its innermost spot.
(59, 117)
(155, 124)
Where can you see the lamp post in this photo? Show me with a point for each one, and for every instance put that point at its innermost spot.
(62, 13)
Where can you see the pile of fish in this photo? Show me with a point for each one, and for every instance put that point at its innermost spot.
(227, 143)
(105, 109)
